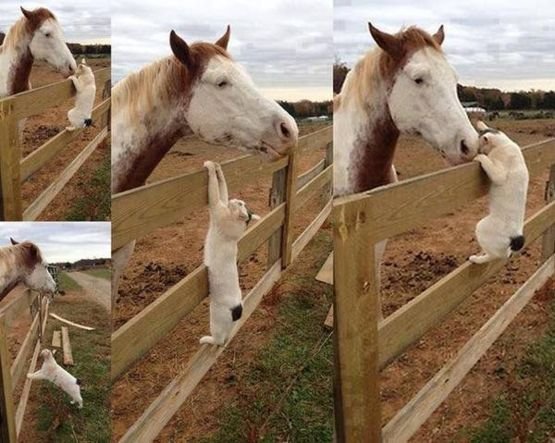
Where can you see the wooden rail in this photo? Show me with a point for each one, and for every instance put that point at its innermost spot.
(137, 212)
(14, 170)
(363, 344)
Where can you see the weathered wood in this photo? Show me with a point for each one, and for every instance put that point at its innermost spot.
(26, 348)
(277, 197)
(68, 322)
(315, 140)
(356, 307)
(19, 304)
(8, 432)
(22, 405)
(39, 157)
(42, 201)
(132, 340)
(398, 207)
(57, 339)
(38, 100)
(304, 239)
(66, 346)
(407, 421)
(548, 240)
(316, 184)
(410, 322)
(10, 152)
(162, 409)
(325, 274)
(290, 206)
(304, 178)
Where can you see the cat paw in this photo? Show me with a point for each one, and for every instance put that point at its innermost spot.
(70, 128)
(210, 165)
(473, 259)
(479, 158)
(207, 340)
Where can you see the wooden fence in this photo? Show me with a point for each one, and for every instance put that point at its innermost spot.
(12, 373)
(137, 212)
(363, 345)
(14, 169)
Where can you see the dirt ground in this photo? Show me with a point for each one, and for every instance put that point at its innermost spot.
(98, 289)
(413, 262)
(40, 128)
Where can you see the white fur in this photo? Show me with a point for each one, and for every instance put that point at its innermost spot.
(84, 83)
(228, 222)
(40, 279)
(503, 162)
(54, 373)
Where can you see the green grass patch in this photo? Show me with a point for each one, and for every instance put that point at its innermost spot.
(94, 204)
(286, 394)
(66, 283)
(100, 273)
(526, 409)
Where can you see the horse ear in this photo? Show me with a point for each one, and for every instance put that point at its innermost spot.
(224, 39)
(28, 14)
(389, 43)
(481, 126)
(180, 49)
(13, 241)
(439, 36)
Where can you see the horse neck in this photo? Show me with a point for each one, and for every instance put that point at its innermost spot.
(16, 62)
(365, 137)
(10, 276)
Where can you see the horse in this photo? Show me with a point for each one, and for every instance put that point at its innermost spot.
(199, 89)
(37, 35)
(23, 263)
(403, 86)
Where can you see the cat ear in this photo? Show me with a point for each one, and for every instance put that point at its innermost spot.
(255, 217)
(485, 138)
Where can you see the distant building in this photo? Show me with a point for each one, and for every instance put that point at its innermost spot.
(320, 118)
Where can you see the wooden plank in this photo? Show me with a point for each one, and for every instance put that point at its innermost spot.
(7, 416)
(304, 178)
(66, 346)
(41, 99)
(315, 140)
(57, 339)
(22, 405)
(548, 241)
(10, 152)
(325, 275)
(39, 157)
(410, 322)
(356, 391)
(132, 340)
(328, 322)
(43, 200)
(398, 207)
(68, 322)
(316, 184)
(26, 349)
(304, 239)
(290, 206)
(277, 197)
(163, 408)
(19, 304)
(409, 419)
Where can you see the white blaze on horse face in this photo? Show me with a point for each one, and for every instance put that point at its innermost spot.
(40, 279)
(423, 100)
(48, 44)
(226, 108)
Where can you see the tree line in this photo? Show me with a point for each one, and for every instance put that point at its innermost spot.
(307, 108)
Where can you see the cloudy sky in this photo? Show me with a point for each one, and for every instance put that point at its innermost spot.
(286, 45)
(61, 241)
(83, 21)
(509, 45)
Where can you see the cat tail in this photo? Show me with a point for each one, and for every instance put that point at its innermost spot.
(517, 243)
(78, 381)
(236, 312)
(88, 122)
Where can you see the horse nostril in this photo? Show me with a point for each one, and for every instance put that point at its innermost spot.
(284, 130)
(464, 149)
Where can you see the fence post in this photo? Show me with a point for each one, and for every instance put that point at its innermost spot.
(290, 194)
(107, 92)
(549, 235)
(7, 414)
(10, 172)
(356, 315)
(277, 196)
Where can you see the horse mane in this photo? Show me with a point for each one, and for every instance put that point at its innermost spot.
(378, 66)
(24, 26)
(160, 81)
(22, 254)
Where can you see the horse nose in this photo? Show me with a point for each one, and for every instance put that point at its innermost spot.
(70, 68)
(287, 131)
(467, 151)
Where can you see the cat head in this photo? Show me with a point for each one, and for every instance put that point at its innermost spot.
(240, 212)
(490, 138)
(47, 354)
(83, 68)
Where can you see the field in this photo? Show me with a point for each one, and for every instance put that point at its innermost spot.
(86, 196)
(238, 396)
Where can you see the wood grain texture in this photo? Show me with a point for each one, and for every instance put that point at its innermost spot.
(162, 409)
(409, 419)
(305, 177)
(548, 240)
(19, 304)
(66, 346)
(10, 153)
(308, 234)
(277, 197)
(25, 350)
(290, 206)
(22, 405)
(316, 184)
(57, 339)
(8, 432)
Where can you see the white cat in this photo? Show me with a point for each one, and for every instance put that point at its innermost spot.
(228, 221)
(54, 373)
(83, 80)
(500, 233)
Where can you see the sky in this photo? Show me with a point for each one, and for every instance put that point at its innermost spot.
(504, 44)
(83, 21)
(61, 241)
(285, 45)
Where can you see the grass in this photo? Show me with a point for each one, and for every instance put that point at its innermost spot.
(100, 273)
(526, 409)
(66, 283)
(94, 204)
(286, 394)
(54, 418)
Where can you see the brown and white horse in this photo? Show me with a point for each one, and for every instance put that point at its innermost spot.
(37, 35)
(404, 86)
(200, 90)
(23, 263)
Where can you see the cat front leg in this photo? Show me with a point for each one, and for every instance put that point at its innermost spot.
(207, 340)
(479, 259)
(213, 186)
(223, 185)
(38, 375)
(496, 173)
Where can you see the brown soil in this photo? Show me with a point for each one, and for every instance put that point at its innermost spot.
(413, 262)
(39, 128)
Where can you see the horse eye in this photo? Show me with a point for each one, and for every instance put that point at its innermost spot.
(47, 34)
(419, 80)
(223, 84)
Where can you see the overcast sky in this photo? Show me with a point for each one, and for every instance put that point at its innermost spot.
(83, 21)
(61, 241)
(286, 45)
(499, 43)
